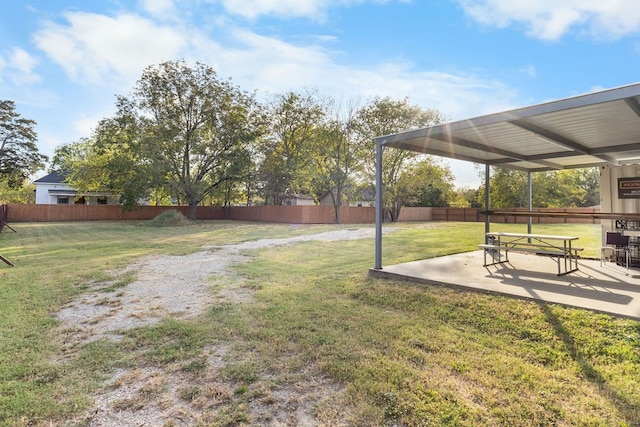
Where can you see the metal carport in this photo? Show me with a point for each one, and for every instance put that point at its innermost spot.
(600, 128)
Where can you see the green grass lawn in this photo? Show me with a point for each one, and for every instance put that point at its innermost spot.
(399, 353)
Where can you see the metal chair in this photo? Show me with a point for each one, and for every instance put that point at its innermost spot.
(617, 244)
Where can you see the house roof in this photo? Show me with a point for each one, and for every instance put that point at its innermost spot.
(583, 131)
(55, 177)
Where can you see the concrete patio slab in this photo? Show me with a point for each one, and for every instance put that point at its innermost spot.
(609, 289)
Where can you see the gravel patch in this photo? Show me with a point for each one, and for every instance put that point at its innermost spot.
(179, 287)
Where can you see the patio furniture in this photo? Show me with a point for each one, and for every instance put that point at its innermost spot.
(618, 244)
(499, 243)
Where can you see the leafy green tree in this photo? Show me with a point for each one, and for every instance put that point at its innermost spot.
(466, 198)
(24, 194)
(383, 116)
(567, 188)
(589, 180)
(114, 160)
(509, 189)
(428, 184)
(183, 131)
(550, 189)
(19, 156)
(337, 155)
(198, 128)
(287, 148)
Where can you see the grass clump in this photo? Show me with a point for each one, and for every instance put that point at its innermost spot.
(169, 218)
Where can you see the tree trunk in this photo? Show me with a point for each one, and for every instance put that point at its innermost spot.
(393, 212)
(338, 210)
(193, 210)
(336, 207)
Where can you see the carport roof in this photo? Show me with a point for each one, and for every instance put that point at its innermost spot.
(583, 131)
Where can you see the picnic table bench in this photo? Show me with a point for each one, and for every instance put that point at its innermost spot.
(557, 247)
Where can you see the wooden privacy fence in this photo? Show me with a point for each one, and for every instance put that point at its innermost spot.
(301, 214)
(279, 214)
(283, 214)
(54, 213)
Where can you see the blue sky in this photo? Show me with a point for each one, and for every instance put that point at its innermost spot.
(64, 61)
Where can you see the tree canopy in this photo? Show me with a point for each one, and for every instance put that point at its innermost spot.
(183, 135)
(551, 189)
(288, 147)
(384, 116)
(183, 131)
(19, 156)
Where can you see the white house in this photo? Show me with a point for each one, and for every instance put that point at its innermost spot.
(53, 190)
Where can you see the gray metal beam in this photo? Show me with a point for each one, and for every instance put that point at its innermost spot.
(379, 213)
(634, 105)
(559, 139)
(487, 188)
(530, 204)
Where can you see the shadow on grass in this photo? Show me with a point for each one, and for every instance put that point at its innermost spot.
(629, 411)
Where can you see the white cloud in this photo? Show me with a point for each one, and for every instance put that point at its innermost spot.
(310, 9)
(285, 8)
(529, 71)
(18, 68)
(274, 66)
(111, 52)
(456, 96)
(271, 62)
(100, 50)
(551, 19)
(160, 8)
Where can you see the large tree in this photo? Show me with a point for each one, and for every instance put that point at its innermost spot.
(426, 183)
(115, 160)
(183, 131)
(19, 156)
(294, 121)
(337, 156)
(384, 116)
(198, 126)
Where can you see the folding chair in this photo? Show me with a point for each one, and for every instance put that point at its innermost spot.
(617, 244)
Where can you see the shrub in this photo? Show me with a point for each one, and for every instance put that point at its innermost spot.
(170, 218)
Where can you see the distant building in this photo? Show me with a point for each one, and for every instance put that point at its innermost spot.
(364, 198)
(52, 189)
(299, 200)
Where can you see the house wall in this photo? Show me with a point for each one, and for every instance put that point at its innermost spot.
(42, 193)
(326, 200)
(44, 196)
(302, 202)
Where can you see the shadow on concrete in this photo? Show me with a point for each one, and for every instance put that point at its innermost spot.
(608, 289)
